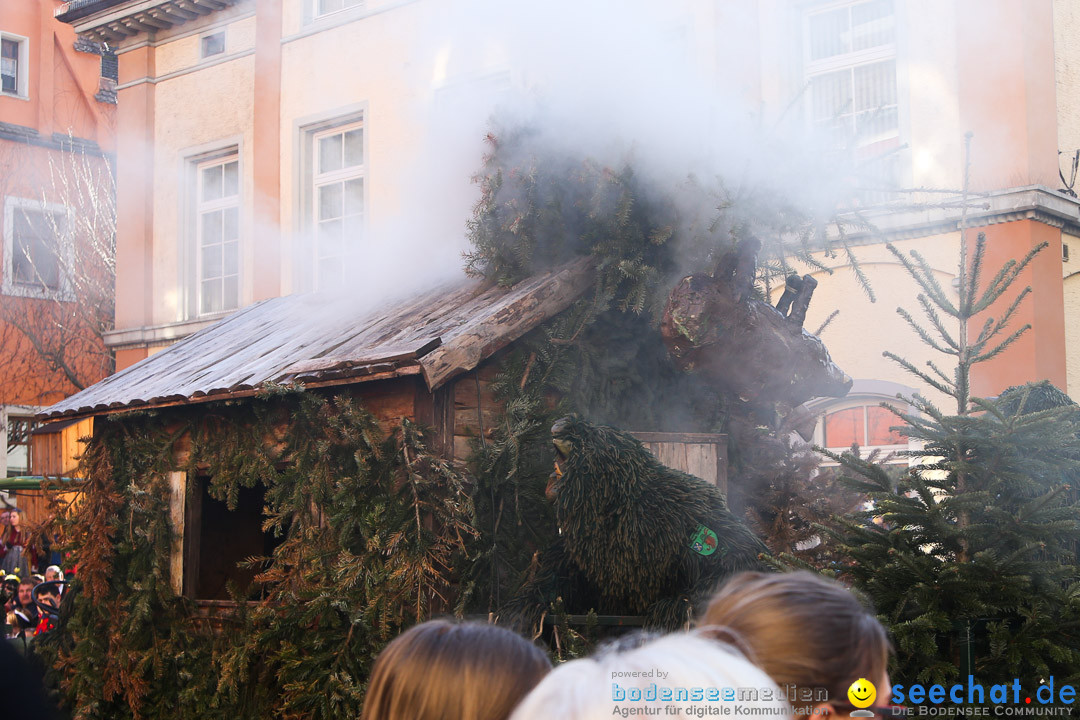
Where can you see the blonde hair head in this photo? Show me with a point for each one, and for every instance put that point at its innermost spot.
(442, 670)
(802, 629)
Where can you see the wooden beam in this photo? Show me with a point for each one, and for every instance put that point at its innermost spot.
(138, 26)
(167, 21)
(151, 18)
(190, 6)
(178, 13)
(177, 516)
(118, 407)
(481, 338)
(120, 30)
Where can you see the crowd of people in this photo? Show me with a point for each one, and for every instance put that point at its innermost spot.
(779, 645)
(31, 600)
(31, 604)
(783, 645)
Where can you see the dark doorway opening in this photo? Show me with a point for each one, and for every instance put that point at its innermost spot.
(217, 540)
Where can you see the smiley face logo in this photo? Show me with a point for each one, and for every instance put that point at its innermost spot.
(862, 693)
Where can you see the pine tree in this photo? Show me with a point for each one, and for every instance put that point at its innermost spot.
(970, 558)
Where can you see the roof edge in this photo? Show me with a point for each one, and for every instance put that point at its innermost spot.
(78, 9)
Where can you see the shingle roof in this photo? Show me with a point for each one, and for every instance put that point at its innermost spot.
(316, 339)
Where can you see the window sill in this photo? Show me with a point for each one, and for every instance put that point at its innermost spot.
(15, 96)
(37, 293)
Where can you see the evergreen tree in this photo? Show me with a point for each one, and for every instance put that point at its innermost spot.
(971, 556)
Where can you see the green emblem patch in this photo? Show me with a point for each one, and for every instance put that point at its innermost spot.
(703, 541)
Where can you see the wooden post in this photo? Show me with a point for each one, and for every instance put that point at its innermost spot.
(177, 497)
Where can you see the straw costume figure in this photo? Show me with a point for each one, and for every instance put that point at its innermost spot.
(635, 537)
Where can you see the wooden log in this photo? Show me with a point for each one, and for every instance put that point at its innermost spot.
(491, 331)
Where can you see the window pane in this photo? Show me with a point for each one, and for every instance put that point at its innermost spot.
(831, 95)
(354, 147)
(872, 24)
(829, 34)
(211, 183)
(210, 299)
(353, 3)
(232, 293)
(34, 260)
(327, 6)
(213, 44)
(878, 421)
(9, 66)
(875, 85)
(211, 262)
(232, 179)
(354, 230)
(211, 228)
(232, 224)
(844, 427)
(32, 223)
(354, 197)
(330, 239)
(48, 268)
(330, 153)
(231, 258)
(877, 125)
(330, 201)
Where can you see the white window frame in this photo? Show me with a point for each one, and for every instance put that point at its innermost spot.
(313, 180)
(6, 412)
(22, 77)
(849, 61)
(197, 208)
(8, 286)
(313, 13)
(871, 393)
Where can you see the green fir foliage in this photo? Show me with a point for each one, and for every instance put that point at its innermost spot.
(370, 528)
(970, 556)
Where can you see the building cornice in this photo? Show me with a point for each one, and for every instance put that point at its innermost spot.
(1030, 202)
(150, 335)
(56, 141)
(114, 21)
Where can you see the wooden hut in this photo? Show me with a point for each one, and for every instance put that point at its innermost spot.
(429, 358)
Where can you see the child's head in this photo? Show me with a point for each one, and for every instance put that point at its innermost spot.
(663, 673)
(804, 630)
(470, 671)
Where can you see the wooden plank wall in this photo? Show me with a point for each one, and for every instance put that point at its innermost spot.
(53, 454)
(476, 409)
(58, 453)
(701, 454)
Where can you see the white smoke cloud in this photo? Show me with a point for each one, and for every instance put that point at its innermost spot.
(672, 84)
